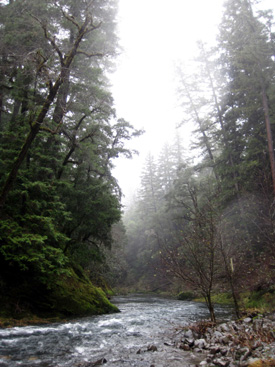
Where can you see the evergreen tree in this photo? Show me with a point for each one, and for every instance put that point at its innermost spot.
(246, 57)
(59, 137)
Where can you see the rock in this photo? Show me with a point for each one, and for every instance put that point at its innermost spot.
(197, 350)
(257, 324)
(223, 328)
(271, 316)
(96, 363)
(152, 348)
(224, 352)
(234, 326)
(185, 347)
(225, 340)
(203, 363)
(189, 334)
(189, 342)
(217, 335)
(214, 350)
(200, 343)
(225, 343)
(257, 344)
(221, 362)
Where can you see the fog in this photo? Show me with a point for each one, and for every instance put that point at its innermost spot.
(154, 37)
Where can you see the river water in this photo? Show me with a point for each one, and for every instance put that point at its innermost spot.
(122, 339)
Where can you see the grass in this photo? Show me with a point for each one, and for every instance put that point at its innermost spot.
(261, 301)
(8, 322)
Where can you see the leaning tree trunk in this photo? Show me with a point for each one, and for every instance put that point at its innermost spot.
(65, 62)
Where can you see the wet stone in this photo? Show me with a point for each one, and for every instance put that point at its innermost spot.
(221, 362)
(223, 328)
(224, 339)
(200, 343)
(189, 334)
(152, 348)
(214, 350)
(189, 342)
(185, 347)
(217, 335)
(203, 363)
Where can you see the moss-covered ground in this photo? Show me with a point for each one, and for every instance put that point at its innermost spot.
(70, 295)
(261, 301)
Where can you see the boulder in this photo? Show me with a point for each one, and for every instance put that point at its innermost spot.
(189, 334)
(200, 343)
(247, 320)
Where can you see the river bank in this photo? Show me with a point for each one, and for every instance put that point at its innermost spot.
(149, 331)
(121, 339)
(246, 342)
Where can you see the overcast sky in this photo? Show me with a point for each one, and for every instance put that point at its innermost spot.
(154, 35)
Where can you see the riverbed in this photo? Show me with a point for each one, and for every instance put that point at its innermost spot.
(120, 339)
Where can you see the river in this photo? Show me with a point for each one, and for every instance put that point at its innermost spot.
(122, 338)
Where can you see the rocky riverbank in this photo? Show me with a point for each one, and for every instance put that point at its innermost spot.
(247, 342)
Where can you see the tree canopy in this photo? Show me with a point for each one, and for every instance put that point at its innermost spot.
(59, 136)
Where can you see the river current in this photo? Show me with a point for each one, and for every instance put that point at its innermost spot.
(122, 339)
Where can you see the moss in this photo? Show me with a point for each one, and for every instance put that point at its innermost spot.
(185, 296)
(67, 295)
(7, 322)
(263, 300)
(223, 298)
(75, 295)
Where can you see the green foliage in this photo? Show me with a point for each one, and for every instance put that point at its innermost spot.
(261, 300)
(186, 296)
(59, 136)
(30, 251)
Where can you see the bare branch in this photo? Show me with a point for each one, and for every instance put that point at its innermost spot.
(99, 54)
(49, 38)
(53, 132)
(71, 19)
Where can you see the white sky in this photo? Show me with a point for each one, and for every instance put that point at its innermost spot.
(154, 34)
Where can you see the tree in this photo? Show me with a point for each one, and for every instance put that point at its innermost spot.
(87, 23)
(59, 137)
(190, 253)
(196, 105)
(246, 56)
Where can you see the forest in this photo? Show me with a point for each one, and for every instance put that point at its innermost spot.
(206, 224)
(203, 225)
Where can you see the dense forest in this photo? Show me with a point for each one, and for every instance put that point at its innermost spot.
(59, 135)
(204, 225)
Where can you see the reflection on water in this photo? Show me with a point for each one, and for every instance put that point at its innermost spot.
(143, 320)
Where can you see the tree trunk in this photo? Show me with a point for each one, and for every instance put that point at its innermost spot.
(210, 306)
(234, 295)
(269, 135)
(66, 62)
(25, 148)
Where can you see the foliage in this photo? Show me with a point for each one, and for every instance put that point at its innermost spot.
(185, 296)
(210, 224)
(59, 136)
